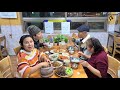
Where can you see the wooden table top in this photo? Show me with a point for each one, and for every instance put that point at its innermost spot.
(77, 73)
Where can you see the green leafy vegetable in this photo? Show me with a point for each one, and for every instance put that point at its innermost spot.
(46, 40)
(69, 71)
(60, 38)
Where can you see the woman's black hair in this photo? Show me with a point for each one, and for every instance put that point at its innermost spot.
(95, 43)
(22, 39)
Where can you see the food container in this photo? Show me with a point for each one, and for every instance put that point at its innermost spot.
(57, 64)
(50, 45)
(71, 52)
(54, 56)
(75, 65)
(66, 62)
(46, 71)
(64, 72)
(71, 48)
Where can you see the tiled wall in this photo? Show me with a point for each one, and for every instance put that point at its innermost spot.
(102, 36)
(12, 41)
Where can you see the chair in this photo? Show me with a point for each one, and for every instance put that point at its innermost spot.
(1, 76)
(17, 49)
(116, 45)
(74, 35)
(3, 49)
(6, 68)
(113, 65)
(105, 49)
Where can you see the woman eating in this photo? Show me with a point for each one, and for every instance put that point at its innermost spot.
(97, 65)
(30, 60)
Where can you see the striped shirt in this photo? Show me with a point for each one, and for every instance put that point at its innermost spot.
(27, 60)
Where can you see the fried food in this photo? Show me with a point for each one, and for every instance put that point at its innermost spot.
(56, 64)
(61, 57)
(62, 50)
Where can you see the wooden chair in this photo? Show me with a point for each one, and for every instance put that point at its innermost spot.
(113, 65)
(105, 49)
(17, 49)
(3, 49)
(1, 76)
(116, 45)
(74, 35)
(6, 68)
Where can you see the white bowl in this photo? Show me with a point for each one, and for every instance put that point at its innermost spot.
(67, 62)
(54, 56)
(71, 52)
(50, 45)
(61, 64)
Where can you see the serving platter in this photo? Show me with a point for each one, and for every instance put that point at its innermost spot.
(64, 72)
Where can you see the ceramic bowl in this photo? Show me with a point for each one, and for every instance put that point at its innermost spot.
(71, 52)
(54, 56)
(46, 71)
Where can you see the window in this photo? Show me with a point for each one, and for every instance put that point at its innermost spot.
(86, 14)
(75, 25)
(74, 14)
(95, 26)
(39, 24)
(57, 25)
(43, 14)
(96, 20)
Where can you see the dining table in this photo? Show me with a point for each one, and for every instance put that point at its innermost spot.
(77, 73)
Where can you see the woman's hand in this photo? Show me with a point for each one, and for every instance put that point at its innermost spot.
(84, 63)
(47, 60)
(91, 68)
(44, 63)
(80, 53)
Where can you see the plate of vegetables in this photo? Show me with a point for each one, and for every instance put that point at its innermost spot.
(64, 72)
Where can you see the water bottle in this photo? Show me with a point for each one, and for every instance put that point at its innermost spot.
(119, 72)
(51, 40)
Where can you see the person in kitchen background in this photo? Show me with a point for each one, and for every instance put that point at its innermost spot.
(30, 60)
(36, 34)
(83, 37)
